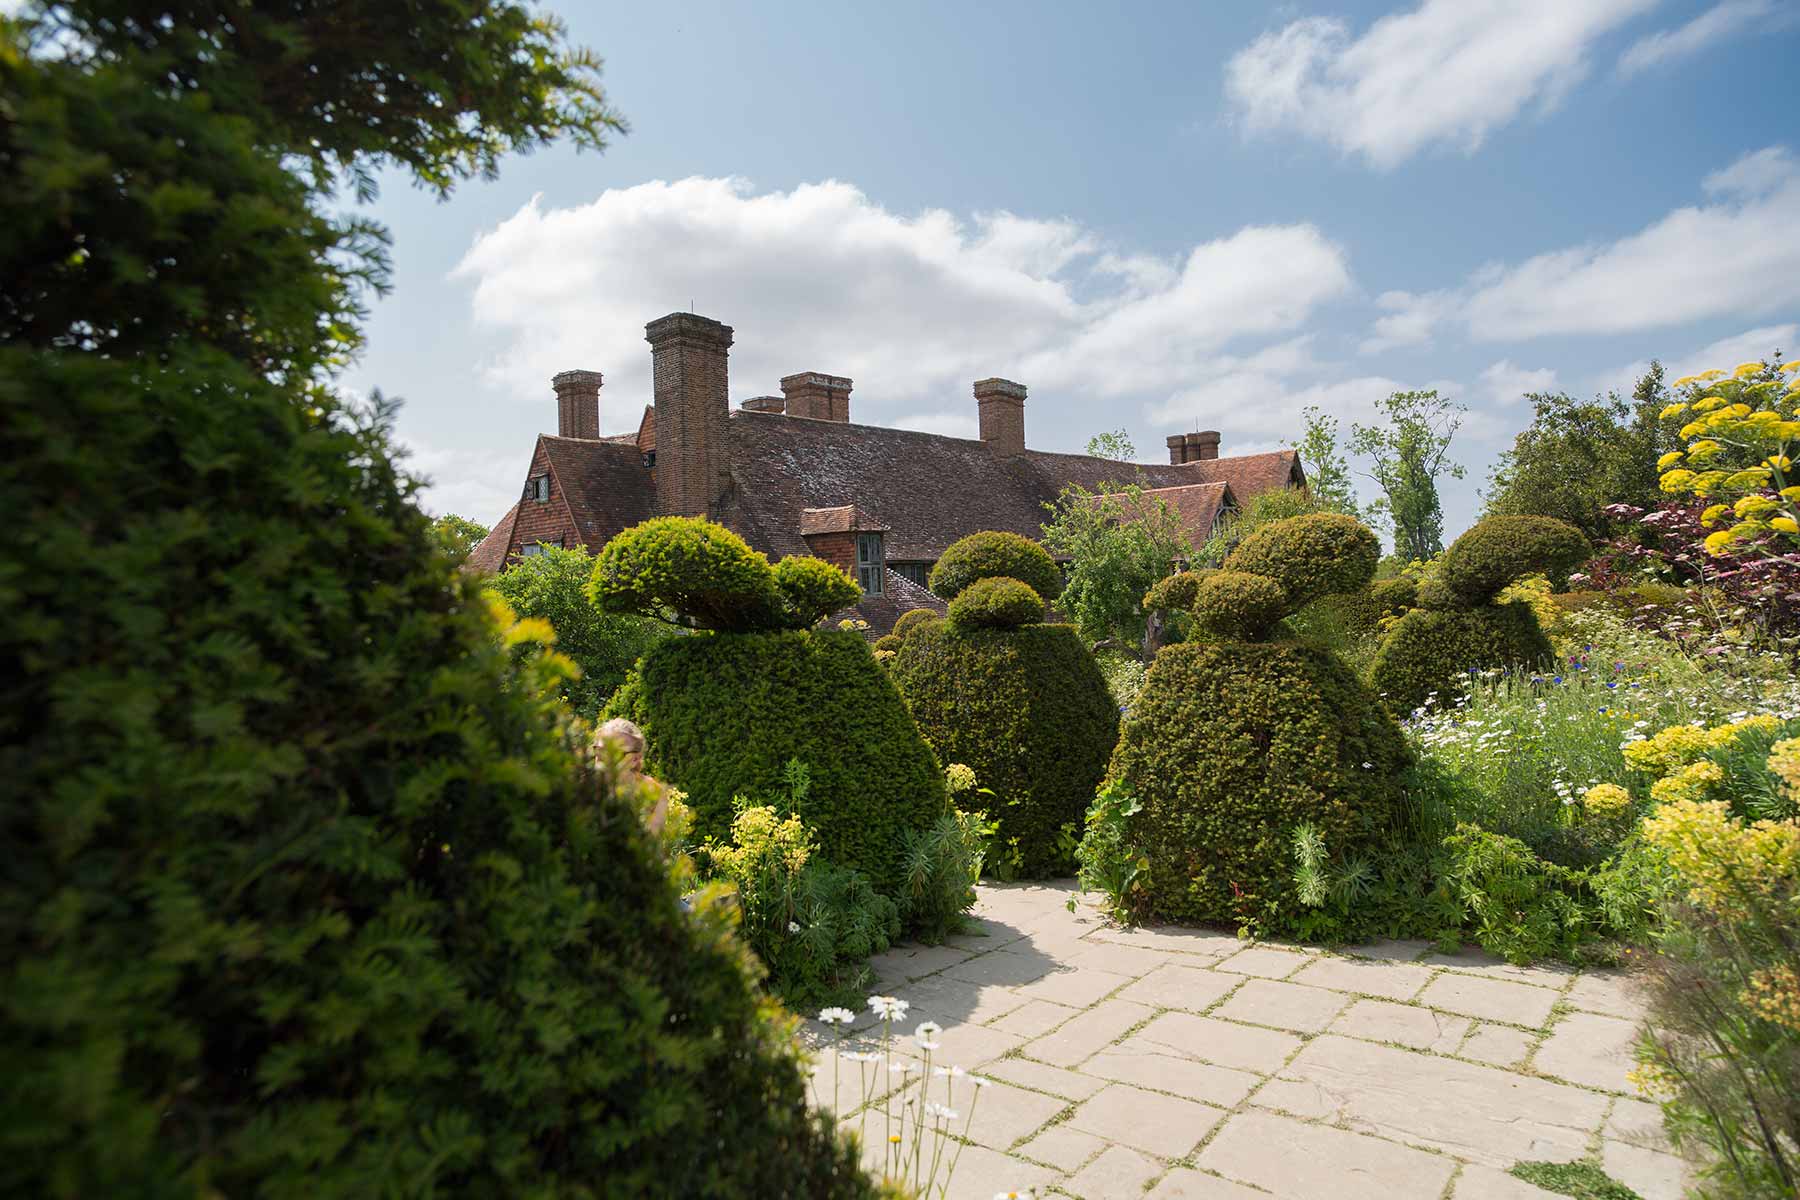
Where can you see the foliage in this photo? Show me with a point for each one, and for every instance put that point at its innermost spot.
(912, 619)
(723, 715)
(1495, 551)
(992, 553)
(1229, 747)
(693, 572)
(1234, 525)
(552, 586)
(1108, 862)
(813, 924)
(1237, 604)
(996, 603)
(291, 834)
(1407, 454)
(1579, 457)
(1327, 474)
(1029, 711)
(1722, 1049)
(1114, 444)
(1118, 545)
(943, 864)
(457, 535)
(1310, 556)
(1582, 1180)
(1175, 593)
(1741, 434)
(1124, 674)
(887, 643)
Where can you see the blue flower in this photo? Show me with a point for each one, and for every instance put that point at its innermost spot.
(1558, 679)
(1612, 684)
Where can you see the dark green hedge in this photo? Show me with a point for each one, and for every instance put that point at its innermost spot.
(992, 553)
(996, 603)
(724, 713)
(1237, 604)
(1498, 550)
(1310, 556)
(1229, 747)
(912, 618)
(1427, 650)
(1028, 709)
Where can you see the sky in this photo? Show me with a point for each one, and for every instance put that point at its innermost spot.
(1159, 217)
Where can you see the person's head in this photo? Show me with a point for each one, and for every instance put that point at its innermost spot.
(626, 739)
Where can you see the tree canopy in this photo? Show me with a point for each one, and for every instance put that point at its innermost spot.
(1117, 547)
(1407, 453)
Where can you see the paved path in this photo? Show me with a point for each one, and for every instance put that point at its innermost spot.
(1185, 1063)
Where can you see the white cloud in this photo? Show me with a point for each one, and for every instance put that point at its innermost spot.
(478, 484)
(1449, 72)
(1724, 354)
(1756, 174)
(1715, 24)
(1411, 319)
(1506, 383)
(914, 308)
(950, 424)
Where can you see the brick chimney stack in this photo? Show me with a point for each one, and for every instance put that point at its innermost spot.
(768, 404)
(819, 396)
(1001, 406)
(692, 393)
(577, 403)
(1193, 447)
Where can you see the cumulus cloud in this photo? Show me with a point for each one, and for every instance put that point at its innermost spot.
(1714, 25)
(1506, 383)
(1750, 346)
(913, 307)
(1448, 72)
(1410, 319)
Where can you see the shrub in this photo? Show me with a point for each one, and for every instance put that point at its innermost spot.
(943, 864)
(724, 713)
(811, 589)
(1229, 747)
(1109, 863)
(1428, 649)
(996, 603)
(689, 570)
(1029, 711)
(552, 586)
(1498, 550)
(912, 619)
(887, 642)
(1175, 593)
(993, 553)
(1236, 604)
(1310, 556)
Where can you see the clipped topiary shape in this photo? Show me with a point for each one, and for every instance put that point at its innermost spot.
(1237, 604)
(1457, 627)
(889, 642)
(811, 589)
(688, 569)
(1310, 556)
(1029, 711)
(722, 715)
(1498, 550)
(1175, 593)
(994, 553)
(912, 619)
(996, 603)
(1229, 747)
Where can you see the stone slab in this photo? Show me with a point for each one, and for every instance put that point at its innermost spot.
(1491, 999)
(1497, 1045)
(1184, 1183)
(1227, 1043)
(1176, 985)
(1003, 1114)
(1155, 1124)
(1405, 1024)
(1140, 1061)
(1083, 1036)
(1652, 1174)
(1063, 1147)
(1613, 993)
(1303, 1162)
(1638, 1122)
(1078, 988)
(1034, 1018)
(1130, 961)
(1479, 1182)
(1591, 1050)
(1041, 1078)
(1268, 962)
(1117, 1172)
(1283, 1005)
(1479, 962)
(1390, 981)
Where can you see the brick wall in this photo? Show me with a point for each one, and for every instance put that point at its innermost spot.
(692, 390)
(542, 520)
(838, 549)
(1000, 404)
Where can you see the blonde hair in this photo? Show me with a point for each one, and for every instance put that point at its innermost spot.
(628, 737)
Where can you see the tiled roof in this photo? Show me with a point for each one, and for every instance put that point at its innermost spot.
(928, 489)
(845, 518)
(604, 483)
(900, 595)
(1195, 505)
(490, 555)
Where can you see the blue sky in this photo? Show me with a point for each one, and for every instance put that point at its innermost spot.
(1160, 217)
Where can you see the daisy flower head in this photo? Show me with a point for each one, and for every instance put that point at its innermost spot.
(836, 1016)
(888, 1007)
(939, 1112)
(949, 1072)
(928, 1029)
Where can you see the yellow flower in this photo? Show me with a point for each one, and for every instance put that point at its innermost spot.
(1778, 462)
(1692, 782)
(1726, 864)
(1785, 525)
(1743, 369)
(1754, 506)
(1675, 410)
(1674, 747)
(1683, 382)
(1712, 513)
(1788, 368)
(1707, 481)
(1717, 543)
(1793, 492)
(1714, 373)
(1668, 460)
(1692, 429)
(1677, 482)
(1749, 477)
(1606, 800)
(1784, 761)
(1739, 410)
(1706, 404)
(1774, 995)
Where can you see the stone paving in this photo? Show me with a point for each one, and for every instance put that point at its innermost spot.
(1182, 1063)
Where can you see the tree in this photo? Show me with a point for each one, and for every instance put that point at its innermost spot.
(1408, 454)
(458, 535)
(304, 887)
(1114, 444)
(552, 585)
(1327, 474)
(1117, 546)
(1578, 457)
(1263, 509)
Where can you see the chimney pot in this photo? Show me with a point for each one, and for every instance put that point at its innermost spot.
(817, 395)
(577, 403)
(1177, 443)
(766, 404)
(1202, 446)
(1000, 405)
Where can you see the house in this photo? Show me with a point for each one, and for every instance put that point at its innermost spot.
(793, 474)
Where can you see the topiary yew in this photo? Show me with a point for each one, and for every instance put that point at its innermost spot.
(1175, 593)
(722, 715)
(993, 553)
(811, 589)
(1237, 604)
(1310, 556)
(912, 619)
(996, 603)
(1458, 627)
(1029, 711)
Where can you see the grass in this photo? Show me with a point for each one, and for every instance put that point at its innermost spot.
(1583, 1180)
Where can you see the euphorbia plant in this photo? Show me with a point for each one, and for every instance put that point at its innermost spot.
(1742, 435)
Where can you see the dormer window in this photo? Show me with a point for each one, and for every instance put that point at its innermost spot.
(869, 562)
(537, 488)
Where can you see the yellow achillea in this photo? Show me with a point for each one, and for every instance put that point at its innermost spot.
(1784, 761)
(1677, 481)
(1692, 782)
(1606, 800)
(1749, 368)
(1726, 864)
(1754, 506)
(1668, 460)
(1774, 995)
(1713, 512)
